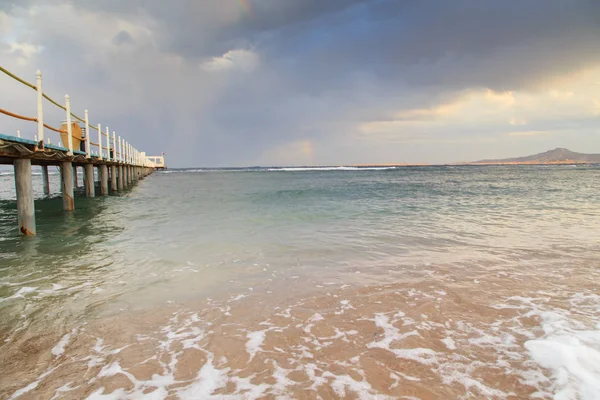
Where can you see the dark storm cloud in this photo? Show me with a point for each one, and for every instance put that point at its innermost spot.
(123, 37)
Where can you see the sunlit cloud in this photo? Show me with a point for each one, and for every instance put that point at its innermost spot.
(489, 112)
(239, 59)
(24, 52)
(529, 133)
(517, 121)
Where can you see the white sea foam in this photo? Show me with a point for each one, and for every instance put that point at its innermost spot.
(571, 354)
(59, 348)
(253, 345)
(208, 380)
(449, 342)
(21, 293)
(32, 385)
(562, 361)
(362, 388)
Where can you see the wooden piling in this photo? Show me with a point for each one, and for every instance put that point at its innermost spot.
(75, 180)
(113, 178)
(45, 180)
(90, 190)
(104, 180)
(121, 178)
(25, 204)
(66, 169)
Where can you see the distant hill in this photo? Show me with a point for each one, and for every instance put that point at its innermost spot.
(556, 156)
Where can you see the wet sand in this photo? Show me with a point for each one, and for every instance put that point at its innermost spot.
(431, 332)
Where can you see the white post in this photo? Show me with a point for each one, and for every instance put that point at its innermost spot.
(40, 102)
(120, 152)
(126, 152)
(88, 150)
(115, 158)
(18, 133)
(69, 128)
(107, 144)
(99, 142)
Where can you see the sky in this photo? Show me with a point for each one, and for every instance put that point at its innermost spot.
(313, 82)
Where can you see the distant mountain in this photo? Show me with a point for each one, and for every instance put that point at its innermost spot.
(556, 156)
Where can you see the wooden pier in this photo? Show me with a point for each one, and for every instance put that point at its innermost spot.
(119, 164)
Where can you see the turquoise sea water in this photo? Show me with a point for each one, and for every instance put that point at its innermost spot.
(186, 235)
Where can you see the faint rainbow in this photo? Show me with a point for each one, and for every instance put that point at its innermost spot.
(245, 6)
(308, 150)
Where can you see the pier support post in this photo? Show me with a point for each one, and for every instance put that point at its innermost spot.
(90, 190)
(75, 183)
(45, 180)
(66, 169)
(25, 205)
(104, 180)
(113, 178)
(121, 178)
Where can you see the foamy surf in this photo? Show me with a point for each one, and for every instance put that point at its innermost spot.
(380, 347)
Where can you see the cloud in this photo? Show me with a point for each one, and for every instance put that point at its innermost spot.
(529, 133)
(123, 37)
(239, 59)
(24, 52)
(212, 83)
(517, 121)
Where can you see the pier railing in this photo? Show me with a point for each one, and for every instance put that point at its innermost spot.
(84, 145)
(107, 147)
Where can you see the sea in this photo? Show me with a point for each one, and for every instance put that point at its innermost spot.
(441, 282)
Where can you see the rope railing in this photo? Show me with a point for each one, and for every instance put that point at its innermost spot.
(18, 116)
(32, 119)
(44, 95)
(24, 82)
(53, 129)
(116, 149)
